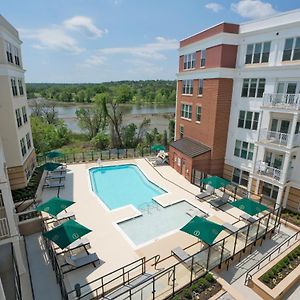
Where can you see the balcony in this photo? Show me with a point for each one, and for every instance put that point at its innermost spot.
(282, 101)
(262, 168)
(274, 137)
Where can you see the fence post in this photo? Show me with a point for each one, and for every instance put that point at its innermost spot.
(101, 154)
(92, 155)
(83, 156)
(118, 153)
(126, 153)
(109, 155)
(142, 151)
(73, 157)
(134, 152)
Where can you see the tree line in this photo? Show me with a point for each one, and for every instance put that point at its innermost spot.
(149, 91)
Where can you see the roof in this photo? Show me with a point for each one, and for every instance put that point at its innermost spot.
(190, 147)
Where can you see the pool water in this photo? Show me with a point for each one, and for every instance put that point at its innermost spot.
(122, 185)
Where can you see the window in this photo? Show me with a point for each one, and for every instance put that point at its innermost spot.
(14, 86)
(200, 90)
(270, 190)
(198, 113)
(24, 113)
(253, 87)
(244, 150)
(186, 111)
(189, 61)
(187, 87)
(16, 56)
(181, 131)
(248, 120)
(18, 117)
(21, 89)
(9, 55)
(291, 49)
(203, 58)
(28, 141)
(258, 53)
(23, 147)
(240, 177)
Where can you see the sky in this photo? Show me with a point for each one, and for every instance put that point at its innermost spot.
(110, 40)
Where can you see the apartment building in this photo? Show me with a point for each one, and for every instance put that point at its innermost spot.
(15, 129)
(238, 104)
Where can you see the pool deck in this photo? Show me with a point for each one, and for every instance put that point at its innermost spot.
(106, 238)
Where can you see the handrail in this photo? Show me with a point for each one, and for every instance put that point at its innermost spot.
(268, 256)
(141, 263)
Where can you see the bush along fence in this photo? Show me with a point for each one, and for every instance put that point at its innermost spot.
(94, 155)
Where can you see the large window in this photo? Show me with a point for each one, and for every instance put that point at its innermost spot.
(9, 54)
(23, 146)
(203, 58)
(24, 113)
(14, 86)
(258, 53)
(198, 113)
(21, 89)
(200, 89)
(244, 150)
(269, 190)
(189, 61)
(291, 49)
(248, 120)
(28, 141)
(187, 87)
(253, 87)
(186, 111)
(16, 56)
(18, 117)
(240, 177)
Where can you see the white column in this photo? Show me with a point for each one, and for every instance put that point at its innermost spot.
(286, 195)
(257, 186)
(250, 183)
(293, 128)
(279, 197)
(285, 167)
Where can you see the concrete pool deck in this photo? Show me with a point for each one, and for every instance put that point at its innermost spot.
(106, 239)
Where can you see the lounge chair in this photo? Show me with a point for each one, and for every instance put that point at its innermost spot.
(218, 202)
(231, 227)
(80, 245)
(49, 184)
(248, 218)
(186, 259)
(56, 177)
(209, 191)
(75, 262)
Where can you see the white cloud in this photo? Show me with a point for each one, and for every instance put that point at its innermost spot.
(85, 24)
(215, 7)
(53, 38)
(58, 37)
(253, 9)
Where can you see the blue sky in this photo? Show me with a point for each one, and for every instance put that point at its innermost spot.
(109, 40)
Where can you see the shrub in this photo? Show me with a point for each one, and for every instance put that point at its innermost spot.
(187, 294)
(265, 278)
(202, 282)
(209, 278)
(194, 287)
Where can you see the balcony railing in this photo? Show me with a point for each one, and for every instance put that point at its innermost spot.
(262, 168)
(4, 229)
(274, 137)
(284, 101)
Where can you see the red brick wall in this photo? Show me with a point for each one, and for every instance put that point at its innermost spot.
(224, 27)
(223, 56)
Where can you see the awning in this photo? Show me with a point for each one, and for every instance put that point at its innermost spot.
(66, 233)
(215, 181)
(203, 229)
(54, 206)
(249, 206)
(50, 166)
(189, 147)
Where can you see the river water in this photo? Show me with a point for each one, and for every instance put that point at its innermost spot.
(132, 113)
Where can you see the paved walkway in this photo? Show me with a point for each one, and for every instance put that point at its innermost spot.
(43, 276)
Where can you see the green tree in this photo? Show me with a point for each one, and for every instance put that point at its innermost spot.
(165, 138)
(171, 130)
(129, 135)
(101, 141)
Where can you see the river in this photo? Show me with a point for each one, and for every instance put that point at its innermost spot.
(132, 113)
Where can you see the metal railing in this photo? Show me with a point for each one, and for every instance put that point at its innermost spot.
(276, 100)
(274, 137)
(4, 228)
(262, 168)
(272, 255)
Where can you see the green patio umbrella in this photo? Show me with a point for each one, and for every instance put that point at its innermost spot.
(249, 206)
(54, 154)
(158, 147)
(203, 229)
(66, 233)
(215, 181)
(54, 206)
(51, 166)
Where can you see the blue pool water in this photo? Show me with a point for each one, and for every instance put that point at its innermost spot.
(122, 185)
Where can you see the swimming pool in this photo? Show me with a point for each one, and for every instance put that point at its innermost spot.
(122, 185)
